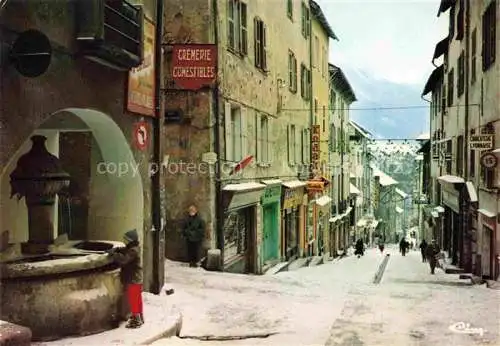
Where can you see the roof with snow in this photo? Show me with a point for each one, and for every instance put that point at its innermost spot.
(385, 180)
(340, 82)
(360, 129)
(317, 12)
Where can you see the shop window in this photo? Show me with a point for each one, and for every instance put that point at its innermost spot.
(236, 230)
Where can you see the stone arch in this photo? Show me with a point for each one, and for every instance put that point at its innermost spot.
(116, 201)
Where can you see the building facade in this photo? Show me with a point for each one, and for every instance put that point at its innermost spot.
(256, 118)
(83, 99)
(464, 136)
(341, 220)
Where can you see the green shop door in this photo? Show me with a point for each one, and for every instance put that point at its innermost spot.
(271, 234)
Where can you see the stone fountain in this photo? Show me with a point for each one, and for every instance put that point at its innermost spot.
(55, 287)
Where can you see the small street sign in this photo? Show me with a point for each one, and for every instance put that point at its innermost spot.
(489, 160)
(141, 135)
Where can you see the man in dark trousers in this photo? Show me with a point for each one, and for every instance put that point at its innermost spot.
(423, 248)
(432, 253)
(193, 231)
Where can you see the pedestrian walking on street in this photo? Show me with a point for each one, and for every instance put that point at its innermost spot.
(423, 248)
(193, 230)
(360, 248)
(403, 245)
(381, 246)
(129, 259)
(432, 251)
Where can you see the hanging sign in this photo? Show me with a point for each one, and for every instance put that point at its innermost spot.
(141, 135)
(489, 160)
(481, 142)
(194, 65)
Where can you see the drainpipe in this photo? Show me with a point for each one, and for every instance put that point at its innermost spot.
(465, 218)
(158, 236)
(219, 214)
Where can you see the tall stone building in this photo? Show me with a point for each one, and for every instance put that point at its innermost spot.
(465, 131)
(255, 117)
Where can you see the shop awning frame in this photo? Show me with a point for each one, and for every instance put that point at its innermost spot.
(293, 184)
(353, 190)
(323, 200)
(487, 213)
(272, 182)
(242, 187)
(471, 190)
(450, 179)
(399, 210)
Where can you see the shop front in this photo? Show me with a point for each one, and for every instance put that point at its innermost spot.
(241, 222)
(488, 227)
(292, 215)
(271, 200)
(318, 215)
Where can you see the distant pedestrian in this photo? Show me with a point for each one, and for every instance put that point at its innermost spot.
(130, 261)
(193, 230)
(359, 248)
(381, 246)
(432, 251)
(423, 248)
(403, 245)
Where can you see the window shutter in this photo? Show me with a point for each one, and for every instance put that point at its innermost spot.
(243, 29)
(243, 132)
(269, 143)
(230, 24)
(228, 132)
(289, 143)
(257, 42)
(258, 139)
(297, 146)
(264, 46)
(308, 145)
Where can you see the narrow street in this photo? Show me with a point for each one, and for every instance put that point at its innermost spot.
(334, 304)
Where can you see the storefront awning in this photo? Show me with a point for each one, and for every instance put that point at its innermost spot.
(335, 219)
(323, 200)
(471, 190)
(439, 209)
(496, 151)
(399, 210)
(434, 214)
(353, 190)
(293, 184)
(361, 223)
(374, 224)
(243, 187)
(272, 182)
(486, 213)
(451, 179)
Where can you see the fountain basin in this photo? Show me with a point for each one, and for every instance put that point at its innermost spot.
(72, 290)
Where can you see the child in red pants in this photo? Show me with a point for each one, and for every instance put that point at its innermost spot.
(129, 258)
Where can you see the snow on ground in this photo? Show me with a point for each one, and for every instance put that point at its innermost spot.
(335, 304)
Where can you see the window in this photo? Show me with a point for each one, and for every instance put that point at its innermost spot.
(331, 143)
(446, 61)
(305, 82)
(291, 145)
(443, 99)
(292, 72)
(315, 52)
(448, 156)
(260, 44)
(452, 21)
(306, 20)
(289, 9)
(489, 37)
(316, 106)
(263, 145)
(237, 27)
(298, 149)
(472, 156)
(460, 21)
(488, 177)
(461, 74)
(450, 88)
(333, 101)
(324, 118)
(235, 131)
(306, 147)
(459, 159)
(473, 56)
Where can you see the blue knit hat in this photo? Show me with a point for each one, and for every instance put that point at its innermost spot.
(131, 236)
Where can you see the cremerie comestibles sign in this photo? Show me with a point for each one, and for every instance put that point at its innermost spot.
(194, 66)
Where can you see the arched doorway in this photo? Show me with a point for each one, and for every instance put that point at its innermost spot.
(106, 192)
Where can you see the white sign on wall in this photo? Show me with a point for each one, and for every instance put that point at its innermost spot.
(481, 142)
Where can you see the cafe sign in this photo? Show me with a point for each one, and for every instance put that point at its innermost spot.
(315, 150)
(194, 66)
(481, 142)
(292, 198)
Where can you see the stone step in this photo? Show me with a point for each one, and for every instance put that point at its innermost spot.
(451, 269)
(13, 334)
(495, 285)
(299, 263)
(316, 260)
(277, 268)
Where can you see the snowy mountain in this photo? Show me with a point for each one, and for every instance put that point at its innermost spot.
(375, 93)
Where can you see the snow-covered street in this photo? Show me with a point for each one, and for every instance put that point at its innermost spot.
(336, 303)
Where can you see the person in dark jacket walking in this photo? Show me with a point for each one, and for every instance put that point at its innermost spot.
(423, 248)
(432, 251)
(403, 245)
(193, 231)
(130, 261)
(359, 248)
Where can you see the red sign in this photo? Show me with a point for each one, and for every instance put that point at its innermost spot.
(194, 65)
(141, 135)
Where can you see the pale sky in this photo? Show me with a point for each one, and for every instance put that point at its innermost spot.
(390, 39)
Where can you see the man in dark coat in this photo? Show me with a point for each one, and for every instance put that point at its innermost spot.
(359, 248)
(130, 260)
(432, 253)
(193, 230)
(403, 245)
(423, 248)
